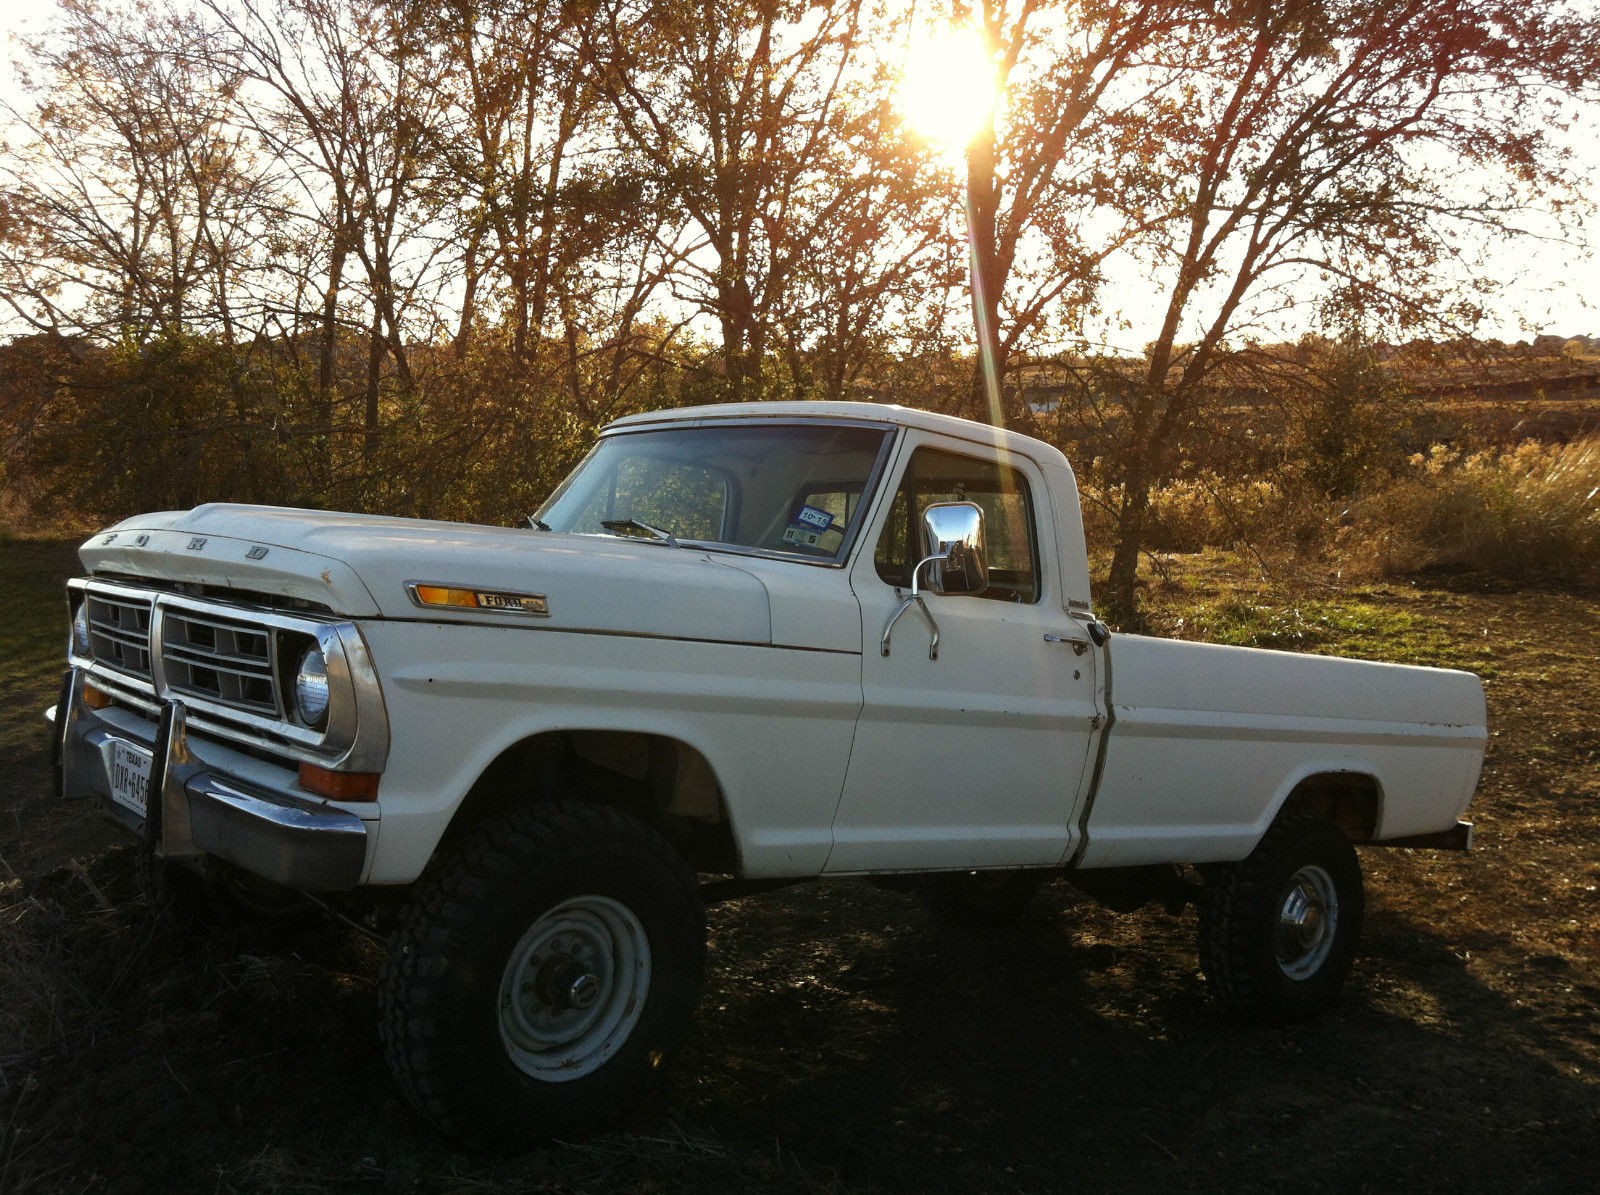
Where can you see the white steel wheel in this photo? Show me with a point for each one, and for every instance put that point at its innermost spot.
(540, 975)
(574, 988)
(1279, 929)
(1308, 922)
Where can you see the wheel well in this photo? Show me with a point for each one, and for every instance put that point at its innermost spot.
(662, 781)
(1349, 800)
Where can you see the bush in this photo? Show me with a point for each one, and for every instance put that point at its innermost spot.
(1210, 510)
(1523, 513)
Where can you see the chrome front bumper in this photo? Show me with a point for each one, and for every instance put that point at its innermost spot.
(198, 805)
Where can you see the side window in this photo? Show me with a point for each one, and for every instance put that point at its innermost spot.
(1002, 493)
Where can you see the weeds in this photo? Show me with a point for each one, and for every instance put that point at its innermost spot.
(1352, 624)
(1205, 510)
(1527, 513)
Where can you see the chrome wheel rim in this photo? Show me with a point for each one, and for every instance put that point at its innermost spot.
(573, 988)
(1307, 922)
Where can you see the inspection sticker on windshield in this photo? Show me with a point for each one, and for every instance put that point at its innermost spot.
(808, 527)
(815, 518)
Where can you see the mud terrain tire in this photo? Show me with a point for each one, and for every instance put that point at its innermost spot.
(1279, 929)
(539, 975)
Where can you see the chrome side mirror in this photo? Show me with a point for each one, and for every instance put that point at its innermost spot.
(952, 537)
(954, 543)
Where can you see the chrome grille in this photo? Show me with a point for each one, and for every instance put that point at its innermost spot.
(222, 659)
(231, 665)
(119, 633)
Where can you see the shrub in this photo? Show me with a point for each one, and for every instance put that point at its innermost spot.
(1529, 512)
(1209, 510)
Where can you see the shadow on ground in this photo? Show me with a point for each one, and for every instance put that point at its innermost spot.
(846, 1041)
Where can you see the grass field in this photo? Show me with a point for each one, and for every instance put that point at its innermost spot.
(33, 634)
(846, 1041)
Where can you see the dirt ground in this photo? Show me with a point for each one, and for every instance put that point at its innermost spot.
(847, 1041)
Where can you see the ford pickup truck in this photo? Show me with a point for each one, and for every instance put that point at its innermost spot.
(739, 646)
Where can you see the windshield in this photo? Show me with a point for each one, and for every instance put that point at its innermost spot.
(795, 489)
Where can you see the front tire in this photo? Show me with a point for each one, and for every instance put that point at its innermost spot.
(540, 974)
(1279, 929)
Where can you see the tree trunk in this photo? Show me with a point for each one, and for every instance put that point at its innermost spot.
(1122, 594)
(369, 422)
(737, 314)
(471, 273)
(329, 347)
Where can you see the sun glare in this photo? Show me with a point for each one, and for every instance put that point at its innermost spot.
(948, 89)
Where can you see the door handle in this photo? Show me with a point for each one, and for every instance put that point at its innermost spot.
(1079, 646)
(1097, 631)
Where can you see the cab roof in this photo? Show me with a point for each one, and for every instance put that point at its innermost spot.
(858, 412)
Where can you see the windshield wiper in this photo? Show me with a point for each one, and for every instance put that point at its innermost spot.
(634, 525)
(533, 524)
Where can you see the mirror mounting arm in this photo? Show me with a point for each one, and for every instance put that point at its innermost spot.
(914, 598)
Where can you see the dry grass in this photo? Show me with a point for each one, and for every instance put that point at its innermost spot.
(1524, 513)
(1210, 510)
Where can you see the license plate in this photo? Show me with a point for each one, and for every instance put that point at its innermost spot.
(130, 775)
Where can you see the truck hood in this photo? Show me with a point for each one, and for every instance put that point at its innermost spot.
(359, 565)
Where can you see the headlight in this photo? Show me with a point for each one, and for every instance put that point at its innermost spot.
(311, 688)
(80, 630)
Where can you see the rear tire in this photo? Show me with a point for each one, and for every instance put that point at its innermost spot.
(540, 975)
(1279, 929)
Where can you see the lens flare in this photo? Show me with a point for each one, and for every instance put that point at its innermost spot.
(948, 88)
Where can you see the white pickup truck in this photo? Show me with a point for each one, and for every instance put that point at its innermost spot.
(751, 644)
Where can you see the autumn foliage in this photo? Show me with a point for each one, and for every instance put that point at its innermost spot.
(408, 257)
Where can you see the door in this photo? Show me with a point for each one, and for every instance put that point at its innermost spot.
(974, 759)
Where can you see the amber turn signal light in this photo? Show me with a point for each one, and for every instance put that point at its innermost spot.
(95, 699)
(445, 595)
(339, 786)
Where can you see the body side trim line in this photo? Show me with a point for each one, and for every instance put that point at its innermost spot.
(548, 629)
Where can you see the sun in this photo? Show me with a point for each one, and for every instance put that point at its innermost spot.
(948, 89)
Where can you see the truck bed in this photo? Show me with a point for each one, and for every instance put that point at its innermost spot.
(1207, 742)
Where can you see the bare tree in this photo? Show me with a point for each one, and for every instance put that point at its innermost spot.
(1331, 153)
(344, 93)
(747, 115)
(1060, 182)
(133, 207)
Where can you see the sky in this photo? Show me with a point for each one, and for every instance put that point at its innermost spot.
(1547, 285)
(18, 16)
